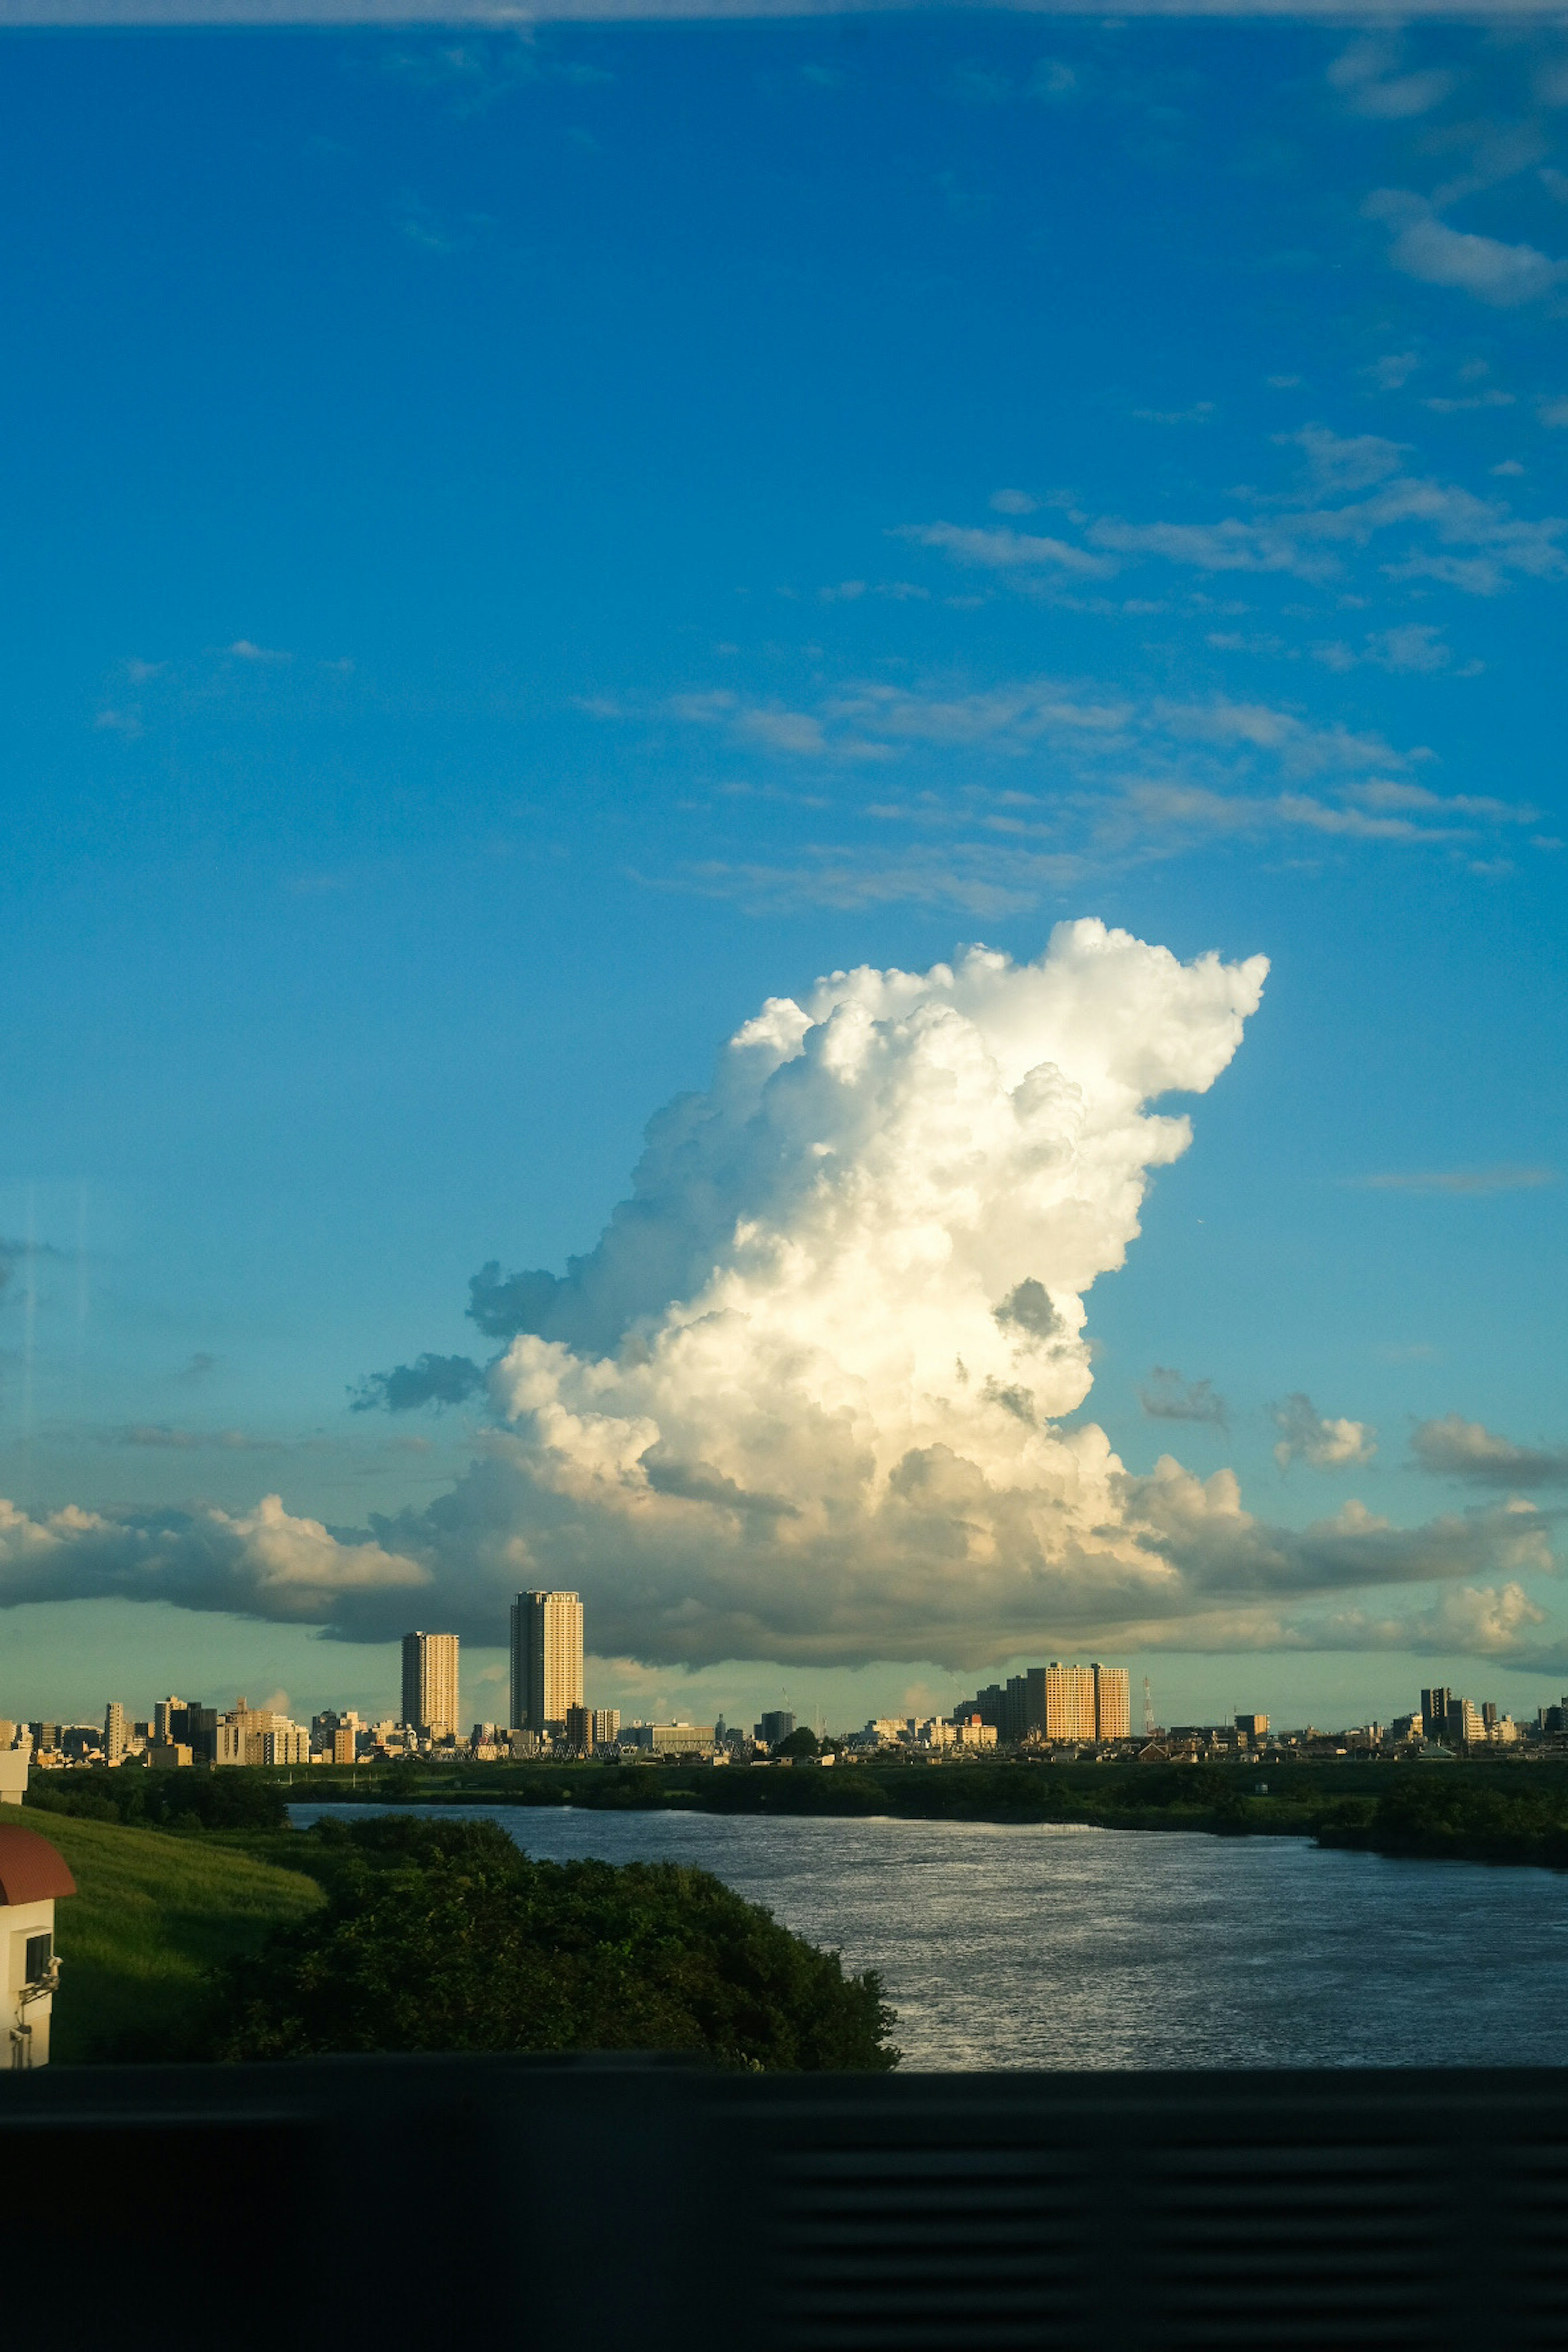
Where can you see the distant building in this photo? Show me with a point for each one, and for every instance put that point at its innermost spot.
(1112, 1703)
(1254, 1729)
(196, 1725)
(114, 1733)
(1489, 1714)
(668, 1738)
(167, 1755)
(1022, 1704)
(1465, 1722)
(972, 1731)
(580, 1726)
(776, 1725)
(606, 1726)
(1435, 1712)
(546, 1660)
(286, 1743)
(16, 1757)
(430, 1684)
(1069, 1702)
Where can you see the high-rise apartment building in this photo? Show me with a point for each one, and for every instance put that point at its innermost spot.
(1435, 1712)
(1025, 1708)
(1253, 1728)
(1069, 1702)
(546, 1660)
(1112, 1703)
(606, 1726)
(1465, 1720)
(114, 1733)
(430, 1683)
(777, 1723)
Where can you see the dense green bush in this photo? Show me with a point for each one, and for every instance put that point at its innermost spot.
(193, 1798)
(441, 1935)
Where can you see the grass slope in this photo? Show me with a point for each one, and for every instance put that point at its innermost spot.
(152, 1911)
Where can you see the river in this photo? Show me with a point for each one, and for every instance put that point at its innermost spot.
(1003, 1944)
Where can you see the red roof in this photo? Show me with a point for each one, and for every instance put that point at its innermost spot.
(30, 1869)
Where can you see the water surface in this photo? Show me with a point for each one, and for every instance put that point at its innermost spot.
(1040, 1945)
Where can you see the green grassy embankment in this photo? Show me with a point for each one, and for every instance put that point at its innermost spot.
(153, 1910)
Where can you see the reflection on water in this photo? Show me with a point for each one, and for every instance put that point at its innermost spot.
(1042, 1946)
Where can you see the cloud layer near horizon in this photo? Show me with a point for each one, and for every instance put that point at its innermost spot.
(806, 1400)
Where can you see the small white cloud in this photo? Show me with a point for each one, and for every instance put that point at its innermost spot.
(1012, 502)
(1167, 1396)
(1319, 1441)
(1001, 549)
(1054, 80)
(1456, 1448)
(1415, 645)
(1394, 371)
(1424, 247)
(243, 649)
(1554, 414)
(1367, 74)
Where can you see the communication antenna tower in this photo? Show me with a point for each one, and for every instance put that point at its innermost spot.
(1147, 1711)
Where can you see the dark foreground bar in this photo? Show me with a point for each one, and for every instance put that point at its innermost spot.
(612, 2205)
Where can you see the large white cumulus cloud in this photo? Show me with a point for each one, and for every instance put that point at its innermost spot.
(804, 1400)
(837, 1439)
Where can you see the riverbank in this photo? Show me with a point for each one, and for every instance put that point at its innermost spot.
(1513, 1812)
(1508, 1813)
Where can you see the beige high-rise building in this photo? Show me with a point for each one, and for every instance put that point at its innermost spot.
(1069, 1702)
(430, 1683)
(546, 1660)
(1112, 1703)
(114, 1733)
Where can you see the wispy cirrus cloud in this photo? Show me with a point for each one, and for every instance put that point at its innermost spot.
(1459, 1183)
(998, 549)
(1354, 493)
(1061, 778)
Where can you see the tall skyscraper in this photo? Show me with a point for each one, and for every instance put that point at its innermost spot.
(114, 1733)
(546, 1660)
(430, 1683)
(1112, 1703)
(1069, 1702)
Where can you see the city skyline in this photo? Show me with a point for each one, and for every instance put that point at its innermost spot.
(966, 649)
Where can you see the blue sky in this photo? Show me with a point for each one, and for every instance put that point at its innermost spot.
(521, 549)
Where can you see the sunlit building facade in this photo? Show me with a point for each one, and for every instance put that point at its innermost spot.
(546, 1660)
(1112, 1703)
(1069, 1702)
(430, 1684)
